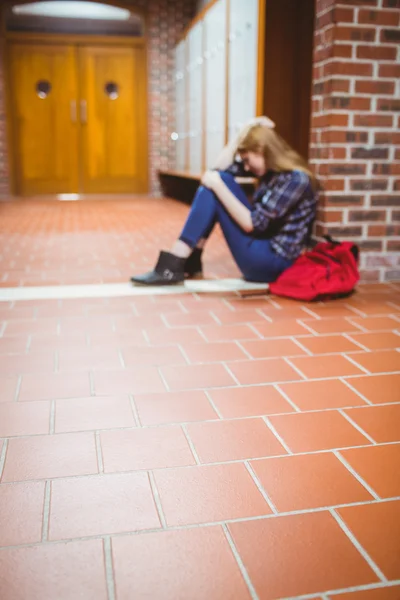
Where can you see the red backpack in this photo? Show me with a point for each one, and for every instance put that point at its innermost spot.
(329, 270)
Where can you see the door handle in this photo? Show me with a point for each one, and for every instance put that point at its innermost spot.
(72, 108)
(83, 111)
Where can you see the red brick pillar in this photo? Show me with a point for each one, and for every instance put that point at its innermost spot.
(355, 137)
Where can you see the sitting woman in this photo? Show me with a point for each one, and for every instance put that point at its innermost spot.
(264, 235)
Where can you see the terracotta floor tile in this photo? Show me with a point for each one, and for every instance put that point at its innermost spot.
(223, 333)
(8, 388)
(116, 339)
(31, 326)
(384, 361)
(143, 380)
(270, 370)
(71, 571)
(382, 423)
(376, 323)
(319, 395)
(382, 593)
(210, 570)
(200, 317)
(164, 336)
(48, 456)
(378, 341)
(85, 359)
(308, 481)
(150, 448)
(293, 555)
(13, 344)
(134, 356)
(249, 401)
(54, 385)
(30, 418)
(327, 344)
(18, 364)
(222, 441)
(213, 352)
(92, 413)
(315, 367)
(339, 325)
(308, 432)
(378, 466)
(378, 307)
(207, 494)
(377, 528)
(196, 376)
(21, 514)
(378, 389)
(331, 310)
(281, 328)
(228, 316)
(174, 407)
(100, 505)
(137, 323)
(86, 324)
(40, 342)
(274, 348)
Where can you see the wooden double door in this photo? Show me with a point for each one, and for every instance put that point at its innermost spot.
(79, 118)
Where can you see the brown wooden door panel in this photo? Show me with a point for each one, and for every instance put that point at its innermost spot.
(45, 128)
(113, 117)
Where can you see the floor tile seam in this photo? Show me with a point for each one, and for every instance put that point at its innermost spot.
(46, 511)
(157, 500)
(261, 488)
(191, 526)
(330, 594)
(191, 445)
(109, 568)
(240, 563)
(357, 476)
(353, 539)
(357, 426)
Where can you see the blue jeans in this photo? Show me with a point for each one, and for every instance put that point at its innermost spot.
(253, 255)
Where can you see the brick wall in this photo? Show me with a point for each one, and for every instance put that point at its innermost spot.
(355, 137)
(166, 20)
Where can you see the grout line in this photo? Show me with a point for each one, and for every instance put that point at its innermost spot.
(260, 487)
(91, 383)
(28, 343)
(361, 588)
(276, 434)
(239, 344)
(201, 333)
(362, 329)
(191, 445)
(357, 544)
(356, 364)
(121, 358)
(18, 388)
(56, 361)
(240, 563)
(360, 429)
(300, 345)
(134, 411)
(353, 389)
(160, 373)
(356, 475)
(52, 422)
(255, 330)
(284, 394)
(99, 453)
(3, 457)
(209, 524)
(353, 341)
(183, 352)
(235, 379)
(303, 323)
(211, 401)
(46, 512)
(108, 562)
(286, 359)
(157, 500)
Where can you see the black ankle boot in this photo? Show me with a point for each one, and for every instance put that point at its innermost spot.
(168, 271)
(193, 265)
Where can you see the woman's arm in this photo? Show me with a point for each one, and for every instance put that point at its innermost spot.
(240, 213)
(227, 155)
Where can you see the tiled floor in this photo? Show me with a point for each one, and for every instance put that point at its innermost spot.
(191, 447)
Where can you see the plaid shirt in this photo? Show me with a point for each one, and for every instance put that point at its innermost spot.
(284, 208)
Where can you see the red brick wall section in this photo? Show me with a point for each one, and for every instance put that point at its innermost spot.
(166, 21)
(355, 138)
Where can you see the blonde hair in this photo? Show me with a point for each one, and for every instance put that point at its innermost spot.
(278, 155)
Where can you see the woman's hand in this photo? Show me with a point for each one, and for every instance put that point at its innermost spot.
(211, 180)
